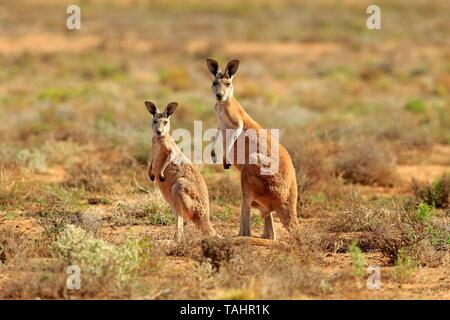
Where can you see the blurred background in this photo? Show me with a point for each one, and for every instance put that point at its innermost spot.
(359, 110)
(302, 62)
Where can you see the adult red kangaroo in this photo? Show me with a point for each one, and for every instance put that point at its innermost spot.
(276, 192)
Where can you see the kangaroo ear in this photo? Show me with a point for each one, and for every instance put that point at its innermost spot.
(170, 109)
(213, 67)
(231, 68)
(151, 107)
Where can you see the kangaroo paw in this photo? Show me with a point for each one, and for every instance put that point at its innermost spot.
(162, 178)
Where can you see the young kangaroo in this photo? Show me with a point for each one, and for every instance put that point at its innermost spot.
(181, 184)
(273, 192)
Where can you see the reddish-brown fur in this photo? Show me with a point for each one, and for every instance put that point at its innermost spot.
(182, 186)
(268, 193)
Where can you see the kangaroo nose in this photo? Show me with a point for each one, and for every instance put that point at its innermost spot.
(158, 131)
(219, 95)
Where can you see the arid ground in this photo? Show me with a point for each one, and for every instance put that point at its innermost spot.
(365, 115)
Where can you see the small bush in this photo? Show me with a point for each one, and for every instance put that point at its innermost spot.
(424, 212)
(54, 216)
(188, 246)
(61, 152)
(358, 261)
(398, 228)
(416, 106)
(436, 194)
(32, 159)
(285, 271)
(366, 163)
(152, 209)
(53, 220)
(41, 281)
(13, 187)
(404, 265)
(96, 257)
(11, 243)
(18, 191)
(87, 176)
(217, 251)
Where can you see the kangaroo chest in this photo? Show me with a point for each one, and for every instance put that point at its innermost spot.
(161, 150)
(226, 116)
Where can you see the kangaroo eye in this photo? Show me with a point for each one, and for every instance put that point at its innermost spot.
(228, 84)
(165, 122)
(154, 121)
(215, 83)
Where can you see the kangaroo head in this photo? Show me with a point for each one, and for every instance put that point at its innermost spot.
(161, 120)
(222, 85)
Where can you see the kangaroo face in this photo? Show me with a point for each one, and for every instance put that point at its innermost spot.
(222, 85)
(160, 124)
(161, 120)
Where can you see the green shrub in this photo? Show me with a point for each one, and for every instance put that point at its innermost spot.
(404, 265)
(160, 217)
(96, 257)
(395, 229)
(222, 215)
(436, 194)
(416, 105)
(257, 220)
(424, 211)
(32, 159)
(358, 261)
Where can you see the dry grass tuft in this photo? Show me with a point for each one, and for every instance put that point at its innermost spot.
(11, 244)
(87, 176)
(436, 194)
(150, 209)
(399, 229)
(55, 219)
(189, 246)
(366, 163)
(225, 190)
(217, 251)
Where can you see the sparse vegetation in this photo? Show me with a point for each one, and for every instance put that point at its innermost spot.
(358, 262)
(366, 163)
(86, 175)
(361, 114)
(417, 106)
(397, 229)
(435, 194)
(217, 251)
(96, 257)
(150, 209)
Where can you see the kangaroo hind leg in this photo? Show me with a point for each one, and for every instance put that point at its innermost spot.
(269, 229)
(179, 209)
(245, 218)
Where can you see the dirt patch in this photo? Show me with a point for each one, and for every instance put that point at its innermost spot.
(47, 43)
(422, 172)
